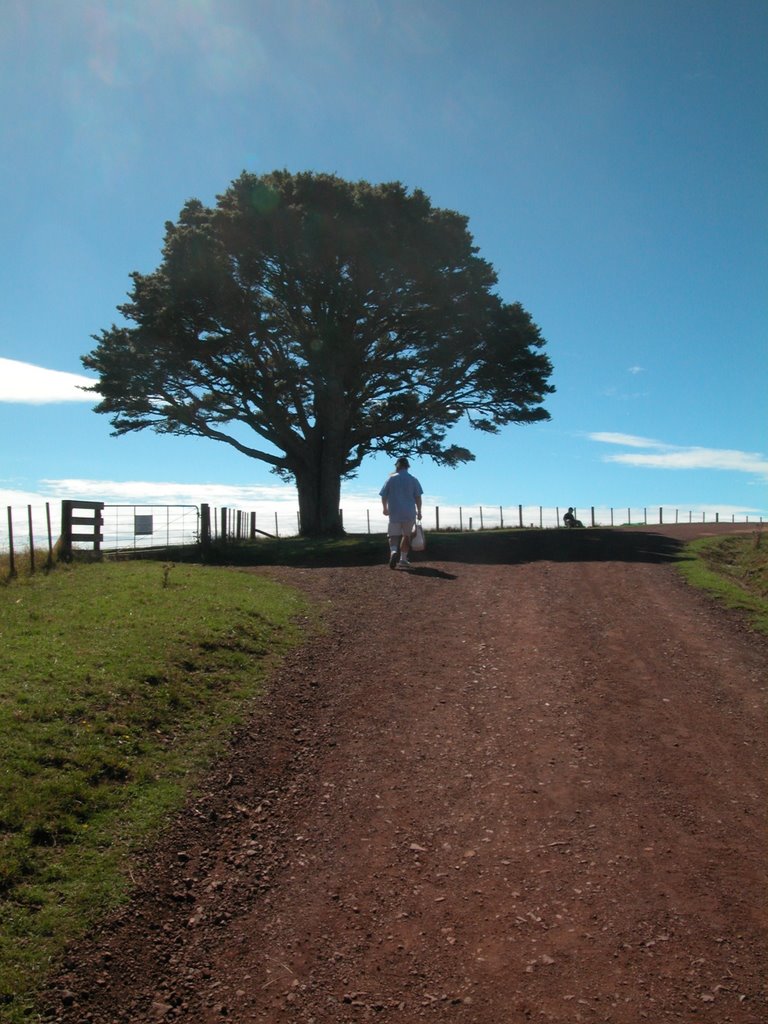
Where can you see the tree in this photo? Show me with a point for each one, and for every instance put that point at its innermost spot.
(308, 322)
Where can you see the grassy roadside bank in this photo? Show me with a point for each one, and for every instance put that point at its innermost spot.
(734, 570)
(120, 682)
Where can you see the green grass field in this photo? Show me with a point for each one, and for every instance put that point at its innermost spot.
(119, 682)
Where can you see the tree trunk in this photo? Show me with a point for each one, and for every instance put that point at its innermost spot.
(319, 495)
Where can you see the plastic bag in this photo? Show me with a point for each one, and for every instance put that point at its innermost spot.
(418, 541)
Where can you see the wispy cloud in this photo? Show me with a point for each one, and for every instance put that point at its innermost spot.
(147, 492)
(362, 509)
(659, 455)
(627, 440)
(34, 385)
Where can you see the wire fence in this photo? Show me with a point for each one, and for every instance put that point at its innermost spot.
(34, 530)
(491, 517)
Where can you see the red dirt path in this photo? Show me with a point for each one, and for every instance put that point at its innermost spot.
(492, 792)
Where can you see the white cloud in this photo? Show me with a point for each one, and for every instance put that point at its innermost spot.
(35, 385)
(698, 458)
(636, 369)
(667, 456)
(145, 492)
(627, 440)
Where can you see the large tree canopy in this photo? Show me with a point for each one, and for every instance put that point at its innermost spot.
(308, 321)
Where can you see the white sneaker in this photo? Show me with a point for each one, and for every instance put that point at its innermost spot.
(405, 562)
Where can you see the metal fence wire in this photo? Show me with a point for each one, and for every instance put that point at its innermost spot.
(142, 527)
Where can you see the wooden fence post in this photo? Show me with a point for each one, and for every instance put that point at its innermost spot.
(66, 529)
(50, 534)
(520, 516)
(437, 517)
(31, 541)
(11, 553)
(205, 526)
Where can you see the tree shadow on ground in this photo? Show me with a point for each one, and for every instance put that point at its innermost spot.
(484, 547)
(509, 547)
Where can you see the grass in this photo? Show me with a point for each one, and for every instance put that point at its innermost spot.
(734, 569)
(120, 682)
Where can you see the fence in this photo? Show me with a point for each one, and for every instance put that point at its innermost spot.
(33, 531)
(234, 524)
(38, 533)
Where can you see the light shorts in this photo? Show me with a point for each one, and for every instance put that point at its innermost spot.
(398, 528)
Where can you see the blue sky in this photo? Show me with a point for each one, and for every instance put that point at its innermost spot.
(610, 154)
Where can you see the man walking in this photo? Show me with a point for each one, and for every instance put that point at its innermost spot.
(401, 501)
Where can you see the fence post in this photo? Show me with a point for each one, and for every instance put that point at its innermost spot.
(205, 526)
(66, 529)
(461, 519)
(661, 516)
(31, 541)
(593, 515)
(437, 517)
(501, 517)
(520, 515)
(557, 514)
(11, 558)
(276, 533)
(50, 534)
(541, 517)
(481, 517)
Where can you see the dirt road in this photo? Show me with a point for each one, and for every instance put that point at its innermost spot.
(490, 793)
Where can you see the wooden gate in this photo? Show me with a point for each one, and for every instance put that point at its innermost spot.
(89, 526)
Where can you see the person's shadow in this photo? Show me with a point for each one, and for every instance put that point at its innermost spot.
(425, 570)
